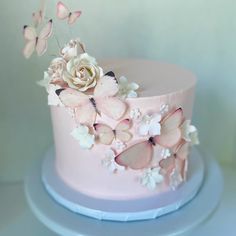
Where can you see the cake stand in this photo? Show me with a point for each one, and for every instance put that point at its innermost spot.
(67, 223)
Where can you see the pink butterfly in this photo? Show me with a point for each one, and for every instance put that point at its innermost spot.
(36, 42)
(140, 155)
(64, 13)
(37, 17)
(103, 101)
(177, 160)
(106, 134)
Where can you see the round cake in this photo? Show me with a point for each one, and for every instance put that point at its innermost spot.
(165, 90)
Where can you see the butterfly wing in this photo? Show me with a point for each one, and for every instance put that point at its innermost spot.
(170, 129)
(105, 133)
(41, 45)
(62, 11)
(107, 86)
(112, 107)
(30, 35)
(167, 165)
(73, 17)
(122, 132)
(84, 110)
(137, 156)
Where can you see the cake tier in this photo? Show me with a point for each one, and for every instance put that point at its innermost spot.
(82, 170)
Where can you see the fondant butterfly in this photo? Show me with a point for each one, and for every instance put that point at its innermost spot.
(106, 134)
(36, 42)
(103, 101)
(140, 155)
(177, 160)
(64, 13)
(38, 16)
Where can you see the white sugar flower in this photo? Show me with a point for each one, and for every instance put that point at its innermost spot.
(126, 89)
(135, 113)
(53, 99)
(164, 109)
(81, 133)
(165, 152)
(151, 177)
(120, 146)
(189, 132)
(175, 178)
(109, 161)
(150, 125)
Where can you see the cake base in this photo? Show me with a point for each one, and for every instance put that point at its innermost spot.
(123, 210)
(65, 222)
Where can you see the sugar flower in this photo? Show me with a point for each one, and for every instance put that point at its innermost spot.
(109, 161)
(165, 152)
(189, 132)
(53, 99)
(151, 177)
(135, 114)
(126, 89)
(150, 125)
(82, 72)
(120, 146)
(81, 133)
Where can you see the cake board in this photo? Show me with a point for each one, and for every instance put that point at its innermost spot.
(65, 222)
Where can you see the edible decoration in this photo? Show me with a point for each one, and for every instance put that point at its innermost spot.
(189, 132)
(106, 134)
(151, 178)
(135, 114)
(82, 134)
(155, 145)
(109, 161)
(64, 13)
(36, 41)
(126, 89)
(150, 125)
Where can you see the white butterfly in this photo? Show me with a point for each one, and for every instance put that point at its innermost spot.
(106, 134)
(64, 13)
(36, 42)
(102, 101)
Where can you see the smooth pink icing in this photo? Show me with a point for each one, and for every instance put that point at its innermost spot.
(81, 169)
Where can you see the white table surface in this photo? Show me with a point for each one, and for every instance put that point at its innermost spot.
(17, 219)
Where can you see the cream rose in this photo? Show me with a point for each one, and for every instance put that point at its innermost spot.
(72, 49)
(56, 70)
(82, 72)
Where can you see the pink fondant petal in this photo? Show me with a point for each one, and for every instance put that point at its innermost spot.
(172, 121)
(136, 157)
(124, 125)
(169, 139)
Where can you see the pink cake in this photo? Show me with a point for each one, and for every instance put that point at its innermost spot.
(122, 130)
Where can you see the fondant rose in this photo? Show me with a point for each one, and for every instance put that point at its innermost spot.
(72, 49)
(82, 72)
(56, 70)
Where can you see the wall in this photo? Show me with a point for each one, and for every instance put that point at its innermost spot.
(197, 34)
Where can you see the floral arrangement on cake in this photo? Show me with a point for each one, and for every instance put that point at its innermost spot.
(75, 81)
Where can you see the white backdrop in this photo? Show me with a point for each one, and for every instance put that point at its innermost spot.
(198, 34)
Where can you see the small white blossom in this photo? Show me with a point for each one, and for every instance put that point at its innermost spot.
(135, 113)
(150, 125)
(109, 161)
(189, 132)
(164, 109)
(120, 146)
(53, 99)
(81, 133)
(165, 152)
(151, 177)
(126, 89)
(175, 178)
